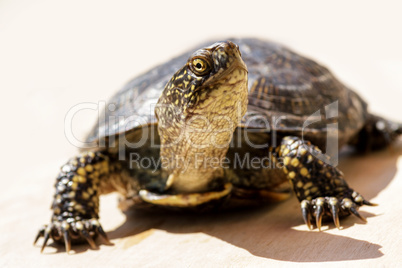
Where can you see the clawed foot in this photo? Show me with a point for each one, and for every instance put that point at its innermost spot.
(72, 231)
(333, 207)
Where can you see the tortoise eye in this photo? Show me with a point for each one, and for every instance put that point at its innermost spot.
(200, 66)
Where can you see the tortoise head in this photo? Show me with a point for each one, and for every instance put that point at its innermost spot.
(204, 73)
(197, 113)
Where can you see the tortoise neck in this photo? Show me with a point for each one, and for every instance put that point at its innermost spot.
(194, 145)
(192, 151)
(196, 130)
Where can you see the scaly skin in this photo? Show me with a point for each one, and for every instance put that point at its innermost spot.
(320, 187)
(76, 201)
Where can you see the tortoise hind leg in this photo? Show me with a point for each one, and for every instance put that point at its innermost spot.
(76, 201)
(376, 134)
(320, 187)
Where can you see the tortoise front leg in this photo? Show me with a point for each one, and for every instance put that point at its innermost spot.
(76, 201)
(320, 187)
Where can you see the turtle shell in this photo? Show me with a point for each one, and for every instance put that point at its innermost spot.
(288, 93)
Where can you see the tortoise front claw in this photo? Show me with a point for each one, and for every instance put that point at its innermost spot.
(305, 207)
(44, 232)
(332, 207)
(319, 211)
(41, 233)
(46, 237)
(75, 231)
(351, 207)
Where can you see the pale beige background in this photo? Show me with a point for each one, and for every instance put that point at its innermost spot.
(54, 55)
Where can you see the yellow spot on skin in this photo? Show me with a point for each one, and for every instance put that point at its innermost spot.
(308, 185)
(314, 189)
(306, 193)
(328, 174)
(286, 160)
(285, 151)
(85, 195)
(295, 162)
(82, 179)
(285, 170)
(304, 172)
(78, 207)
(302, 151)
(91, 154)
(74, 186)
(82, 160)
(292, 174)
(299, 184)
(89, 168)
(81, 171)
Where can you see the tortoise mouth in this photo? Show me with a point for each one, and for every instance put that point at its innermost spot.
(185, 200)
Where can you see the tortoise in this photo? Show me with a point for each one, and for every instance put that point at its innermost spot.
(237, 123)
